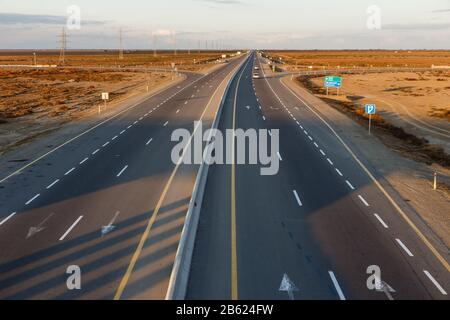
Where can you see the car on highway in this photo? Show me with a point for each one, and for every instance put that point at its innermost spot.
(256, 68)
(255, 75)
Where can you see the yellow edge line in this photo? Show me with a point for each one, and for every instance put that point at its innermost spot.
(137, 253)
(380, 187)
(234, 273)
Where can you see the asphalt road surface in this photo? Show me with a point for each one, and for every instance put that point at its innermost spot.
(320, 223)
(111, 202)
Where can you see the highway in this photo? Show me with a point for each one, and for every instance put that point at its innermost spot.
(319, 224)
(109, 200)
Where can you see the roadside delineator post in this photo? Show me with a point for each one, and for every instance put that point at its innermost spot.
(435, 181)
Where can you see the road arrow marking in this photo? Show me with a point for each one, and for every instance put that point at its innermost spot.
(110, 227)
(34, 230)
(288, 286)
(387, 289)
(248, 107)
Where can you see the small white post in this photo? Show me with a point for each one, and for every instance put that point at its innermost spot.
(435, 181)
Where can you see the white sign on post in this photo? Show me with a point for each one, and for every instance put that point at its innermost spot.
(105, 97)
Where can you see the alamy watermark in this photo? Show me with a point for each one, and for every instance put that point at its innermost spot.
(232, 147)
(73, 281)
(374, 18)
(73, 17)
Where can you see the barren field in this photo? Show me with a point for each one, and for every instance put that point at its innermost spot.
(194, 61)
(292, 60)
(403, 123)
(33, 101)
(416, 102)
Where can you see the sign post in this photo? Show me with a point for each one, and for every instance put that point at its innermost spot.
(370, 110)
(333, 82)
(173, 69)
(105, 98)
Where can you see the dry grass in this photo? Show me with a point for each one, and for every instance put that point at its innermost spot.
(164, 59)
(375, 58)
(54, 92)
(395, 137)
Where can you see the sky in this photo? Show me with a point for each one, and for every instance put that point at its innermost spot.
(232, 24)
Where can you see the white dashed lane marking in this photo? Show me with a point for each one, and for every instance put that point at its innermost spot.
(7, 218)
(52, 184)
(32, 199)
(404, 247)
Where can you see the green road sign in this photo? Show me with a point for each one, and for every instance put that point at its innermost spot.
(333, 82)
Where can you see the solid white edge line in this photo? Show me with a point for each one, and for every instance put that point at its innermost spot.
(428, 274)
(52, 184)
(381, 221)
(404, 247)
(7, 218)
(297, 198)
(336, 285)
(70, 229)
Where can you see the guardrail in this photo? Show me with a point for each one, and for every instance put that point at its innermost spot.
(182, 264)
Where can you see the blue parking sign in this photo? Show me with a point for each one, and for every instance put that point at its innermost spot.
(371, 109)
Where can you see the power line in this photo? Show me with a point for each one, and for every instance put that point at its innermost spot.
(120, 45)
(63, 46)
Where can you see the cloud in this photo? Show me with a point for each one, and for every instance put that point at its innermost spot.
(222, 2)
(163, 32)
(441, 10)
(20, 18)
(416, 26)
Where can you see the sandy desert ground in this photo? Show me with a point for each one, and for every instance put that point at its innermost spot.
(417, 102)
(297, 60)
(189, 61)
(35, 101)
